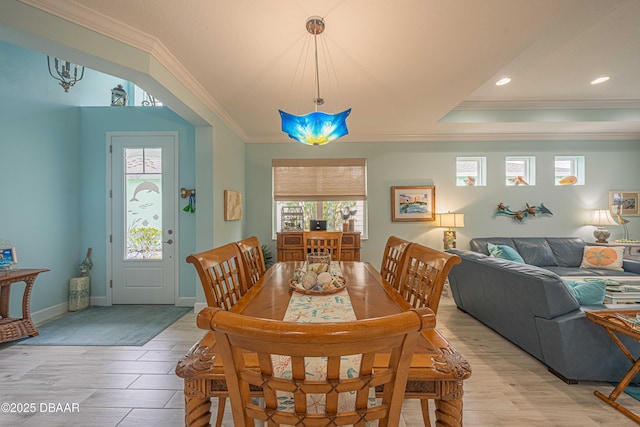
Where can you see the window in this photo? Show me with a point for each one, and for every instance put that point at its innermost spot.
(324, 188)
(520, 170)
(569, 170)
(471, 171)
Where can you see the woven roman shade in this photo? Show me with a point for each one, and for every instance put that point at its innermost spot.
(319, 179)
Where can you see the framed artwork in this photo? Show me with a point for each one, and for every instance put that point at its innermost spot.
(413, 203)
(8, 256)
(624, 203)
(232, 205)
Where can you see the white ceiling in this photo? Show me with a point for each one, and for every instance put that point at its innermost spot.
(411, 70)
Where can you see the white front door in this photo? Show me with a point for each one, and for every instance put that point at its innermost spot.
(143, 217)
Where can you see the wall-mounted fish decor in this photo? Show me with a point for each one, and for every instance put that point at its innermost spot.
(521, 215)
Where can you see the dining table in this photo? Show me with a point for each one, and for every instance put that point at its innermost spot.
(437, 369)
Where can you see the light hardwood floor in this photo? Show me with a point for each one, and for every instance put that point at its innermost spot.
(136, 386)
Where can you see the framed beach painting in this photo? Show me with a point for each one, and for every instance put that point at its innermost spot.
(624, 203)
(413, 203)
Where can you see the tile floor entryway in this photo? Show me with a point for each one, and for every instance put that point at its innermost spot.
(136, 386)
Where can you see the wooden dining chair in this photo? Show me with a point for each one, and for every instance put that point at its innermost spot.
(422, 275)
(223, 276)
(327, 241)
(392, 259)
(253, 257)
(312, 385)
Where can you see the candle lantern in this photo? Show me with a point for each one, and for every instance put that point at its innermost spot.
(118, 96)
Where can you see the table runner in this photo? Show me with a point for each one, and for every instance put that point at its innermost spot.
(320, 309)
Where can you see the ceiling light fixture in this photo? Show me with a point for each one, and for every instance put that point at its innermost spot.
(600, 80)
(63, 72)
(503, 81)
(315, 128)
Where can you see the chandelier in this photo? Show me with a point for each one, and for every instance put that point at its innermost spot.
(63, 72)
(317, 127)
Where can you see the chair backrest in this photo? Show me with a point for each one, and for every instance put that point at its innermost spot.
(253, 257)
(392, 259)
(319, 241)
(423, 274)
(222, 275)
(291, 367)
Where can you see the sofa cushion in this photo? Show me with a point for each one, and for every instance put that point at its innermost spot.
(535, 251)
(567, 250)
(504, 252)
(479, 244)
(587, 292)
(602, 257)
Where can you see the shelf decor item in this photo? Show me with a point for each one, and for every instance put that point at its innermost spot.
(8, 257)
(291, 218)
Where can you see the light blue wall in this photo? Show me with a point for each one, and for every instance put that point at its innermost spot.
(52, 154)
(610, 165)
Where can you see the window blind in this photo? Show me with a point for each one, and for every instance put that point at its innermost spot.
(319, 179)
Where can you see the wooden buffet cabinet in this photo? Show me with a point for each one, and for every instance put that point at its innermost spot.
(290, 246)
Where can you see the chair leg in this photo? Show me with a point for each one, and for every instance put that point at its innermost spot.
(221, 402)
(424, 404)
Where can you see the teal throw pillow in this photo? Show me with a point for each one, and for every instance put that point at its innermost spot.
(589, 292)
(504, 252)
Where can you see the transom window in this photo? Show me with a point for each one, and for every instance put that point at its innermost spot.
(569, 170)
(471, 171)
(520, 170)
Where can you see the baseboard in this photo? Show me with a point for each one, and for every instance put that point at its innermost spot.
(186, 302)
(197, 307)
(49, 312)
(98, 301)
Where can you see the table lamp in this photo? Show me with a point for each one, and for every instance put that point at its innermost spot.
(600, 218)
(449, 220)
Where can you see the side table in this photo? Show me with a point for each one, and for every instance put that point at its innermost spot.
(609, 320)
(14, 327)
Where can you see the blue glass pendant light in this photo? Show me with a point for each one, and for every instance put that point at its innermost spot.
(315, 128)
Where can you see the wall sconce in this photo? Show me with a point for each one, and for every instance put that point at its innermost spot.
(449, 220)
(600, 218)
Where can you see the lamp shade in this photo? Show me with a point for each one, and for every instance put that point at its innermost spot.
(601, 217)
(315, 128)
(450, 220)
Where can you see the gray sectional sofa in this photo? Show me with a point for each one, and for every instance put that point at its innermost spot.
(531, 306)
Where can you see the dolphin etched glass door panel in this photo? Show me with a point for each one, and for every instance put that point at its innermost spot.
(143, 178)
(143, 237)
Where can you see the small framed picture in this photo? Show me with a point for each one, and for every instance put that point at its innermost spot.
(8, 256)
(413, 203)
(232, 205)
(624, 203)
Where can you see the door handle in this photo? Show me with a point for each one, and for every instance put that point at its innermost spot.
(170, 241)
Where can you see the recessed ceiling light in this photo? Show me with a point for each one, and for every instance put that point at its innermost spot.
(600, 80)
(503, 81)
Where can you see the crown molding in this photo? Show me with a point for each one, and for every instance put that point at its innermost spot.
(576, 104)
(470, 137)
(90, 19)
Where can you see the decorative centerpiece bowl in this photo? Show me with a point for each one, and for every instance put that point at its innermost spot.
(317, 278)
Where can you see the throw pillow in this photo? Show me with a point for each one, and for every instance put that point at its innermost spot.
(602, 257)
(590, 292)
(504, 252)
